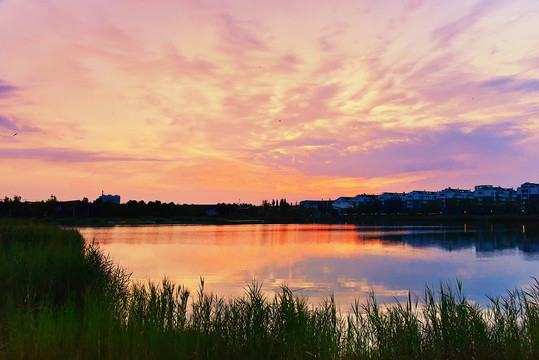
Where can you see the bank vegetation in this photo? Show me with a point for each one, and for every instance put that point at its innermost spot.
(62, 298)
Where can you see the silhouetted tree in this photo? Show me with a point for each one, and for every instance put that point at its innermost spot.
(393, 206)
(52, 207)
(532, 206)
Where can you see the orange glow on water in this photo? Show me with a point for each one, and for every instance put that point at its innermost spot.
(319, 259)
(226, 255)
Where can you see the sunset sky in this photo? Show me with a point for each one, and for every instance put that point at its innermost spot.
(216, 101)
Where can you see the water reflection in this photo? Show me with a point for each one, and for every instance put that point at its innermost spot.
(485, 243)
(318, 260)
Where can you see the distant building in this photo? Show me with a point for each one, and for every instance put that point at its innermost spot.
(322, 207)
(458, 194)
(485, 195)
(390, 196)
(364, 199)
(343, 203)
(490, 193)
(110, 198)
(527, 191)
(311, 204)
(506, 194)
(368, 204)
(415, 200)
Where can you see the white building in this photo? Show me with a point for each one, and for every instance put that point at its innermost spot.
(526, 192)
(491, 193)
(343, 203)
(459, 194)
(390, 196)
(506, 194)
(416, 199)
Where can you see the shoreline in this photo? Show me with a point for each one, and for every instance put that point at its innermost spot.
(427, 219)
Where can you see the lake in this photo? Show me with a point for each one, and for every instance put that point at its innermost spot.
(319, 260)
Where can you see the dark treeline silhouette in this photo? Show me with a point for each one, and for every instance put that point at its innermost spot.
(105, 209)
(276, 210)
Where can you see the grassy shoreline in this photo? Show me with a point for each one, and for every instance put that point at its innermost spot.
(64, 299)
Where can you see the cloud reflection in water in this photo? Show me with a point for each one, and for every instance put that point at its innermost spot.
(318, 260)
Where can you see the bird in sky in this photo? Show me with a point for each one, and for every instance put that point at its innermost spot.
(15, 134)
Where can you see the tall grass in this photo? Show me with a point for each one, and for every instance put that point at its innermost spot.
(64, 299)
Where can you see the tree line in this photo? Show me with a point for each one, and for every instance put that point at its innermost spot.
(276, 210)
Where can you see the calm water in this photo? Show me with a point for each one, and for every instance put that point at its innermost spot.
(318, 260)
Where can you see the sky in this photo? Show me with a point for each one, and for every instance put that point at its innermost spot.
(240, 101)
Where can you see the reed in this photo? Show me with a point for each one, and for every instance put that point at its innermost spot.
(65, 299)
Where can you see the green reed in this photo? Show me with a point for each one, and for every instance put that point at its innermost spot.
(63, 299)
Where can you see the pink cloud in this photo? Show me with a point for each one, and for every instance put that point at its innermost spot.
(445, 34)
(240, 37)
(296, 97)
(286, 63)
(5, 89)
(412, 5)
(182, 66)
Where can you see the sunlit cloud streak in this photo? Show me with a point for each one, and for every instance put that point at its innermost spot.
(437, 149)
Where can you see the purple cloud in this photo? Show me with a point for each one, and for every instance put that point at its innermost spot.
(239, 36)
(510, 84)
(445, 34)
(9, 124)
(5, 89)
(436, 149)
(62, 155)
(13, 124)
(528, 86)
